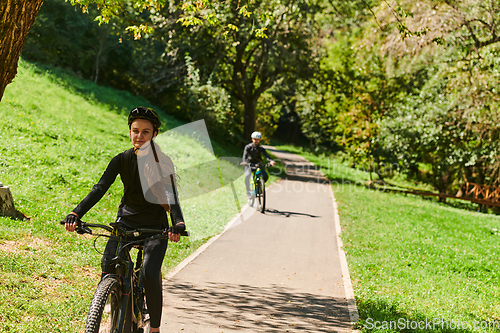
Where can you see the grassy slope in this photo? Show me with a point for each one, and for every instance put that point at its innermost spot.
(58, 135)
(414, 258)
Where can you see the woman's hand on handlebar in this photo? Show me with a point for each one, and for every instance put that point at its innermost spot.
(71, 221)
(174, 232)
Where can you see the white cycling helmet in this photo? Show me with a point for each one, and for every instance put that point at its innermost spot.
(256, 135)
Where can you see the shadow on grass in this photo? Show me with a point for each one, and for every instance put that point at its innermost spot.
(116, 100)
(231, 306)
(380, 316)
(283, 151)
(344, 181)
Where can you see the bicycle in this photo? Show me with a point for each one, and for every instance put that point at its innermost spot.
(259, 190)
(118, 304)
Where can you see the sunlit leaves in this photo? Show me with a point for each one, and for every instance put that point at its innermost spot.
(232, 27)
(193, 13)
(260, 33)
(139, 30)
(244, 11)
(189, 21)
(197, 13)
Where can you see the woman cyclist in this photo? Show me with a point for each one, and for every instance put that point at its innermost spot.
(135, 211)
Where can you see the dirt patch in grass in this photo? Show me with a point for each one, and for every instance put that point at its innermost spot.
(49, 285)
(88, 271)
(9, 246)
(28, 243)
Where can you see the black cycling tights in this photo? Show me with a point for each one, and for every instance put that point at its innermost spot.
(154, 252)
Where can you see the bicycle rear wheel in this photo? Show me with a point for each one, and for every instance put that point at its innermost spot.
(104, 309)
(262, 195)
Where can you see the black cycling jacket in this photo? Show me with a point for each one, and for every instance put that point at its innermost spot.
(134, 211)
(252, 153)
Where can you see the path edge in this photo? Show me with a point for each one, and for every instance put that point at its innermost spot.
(349, 290)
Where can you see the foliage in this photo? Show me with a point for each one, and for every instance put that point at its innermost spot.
(206, 101)
(81, 44)
(344, 75)
(415, 85)
(238, 59)
(247, 65)
(464, 99)
(207, 12)
(269, 111)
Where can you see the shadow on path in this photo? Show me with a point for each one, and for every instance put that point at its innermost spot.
(272, 211)
(259, 309)
(308, 178)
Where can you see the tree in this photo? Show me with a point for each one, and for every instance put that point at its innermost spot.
(16, 19)
(246, 62)
(18, 16)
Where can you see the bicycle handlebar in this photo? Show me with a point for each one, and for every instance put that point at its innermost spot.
(266, 165)
(84, 228)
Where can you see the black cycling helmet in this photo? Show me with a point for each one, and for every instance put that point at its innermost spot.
(144, 113)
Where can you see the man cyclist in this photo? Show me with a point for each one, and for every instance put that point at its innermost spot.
(253, 154)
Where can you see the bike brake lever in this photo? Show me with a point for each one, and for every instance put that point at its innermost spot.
(80, 229)
(84, 230)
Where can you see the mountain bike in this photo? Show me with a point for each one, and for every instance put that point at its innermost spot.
(259, 186)
(119, 304)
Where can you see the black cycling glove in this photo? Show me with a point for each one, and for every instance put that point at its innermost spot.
(178, 228)
(71, 218)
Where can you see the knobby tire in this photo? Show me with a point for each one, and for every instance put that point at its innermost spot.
(103, 313)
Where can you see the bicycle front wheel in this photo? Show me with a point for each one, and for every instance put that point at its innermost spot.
(262, 195)
(103, 313)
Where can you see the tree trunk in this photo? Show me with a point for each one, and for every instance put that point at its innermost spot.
(6, 202)
(16, 19)
(249, 118)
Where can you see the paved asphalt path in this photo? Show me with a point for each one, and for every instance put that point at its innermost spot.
(273, 272)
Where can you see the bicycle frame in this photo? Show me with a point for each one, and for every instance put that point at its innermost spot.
(256, 177)
(257, 174)
(121, 269)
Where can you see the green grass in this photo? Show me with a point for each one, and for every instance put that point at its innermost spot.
(58, 134)
(415, 259)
